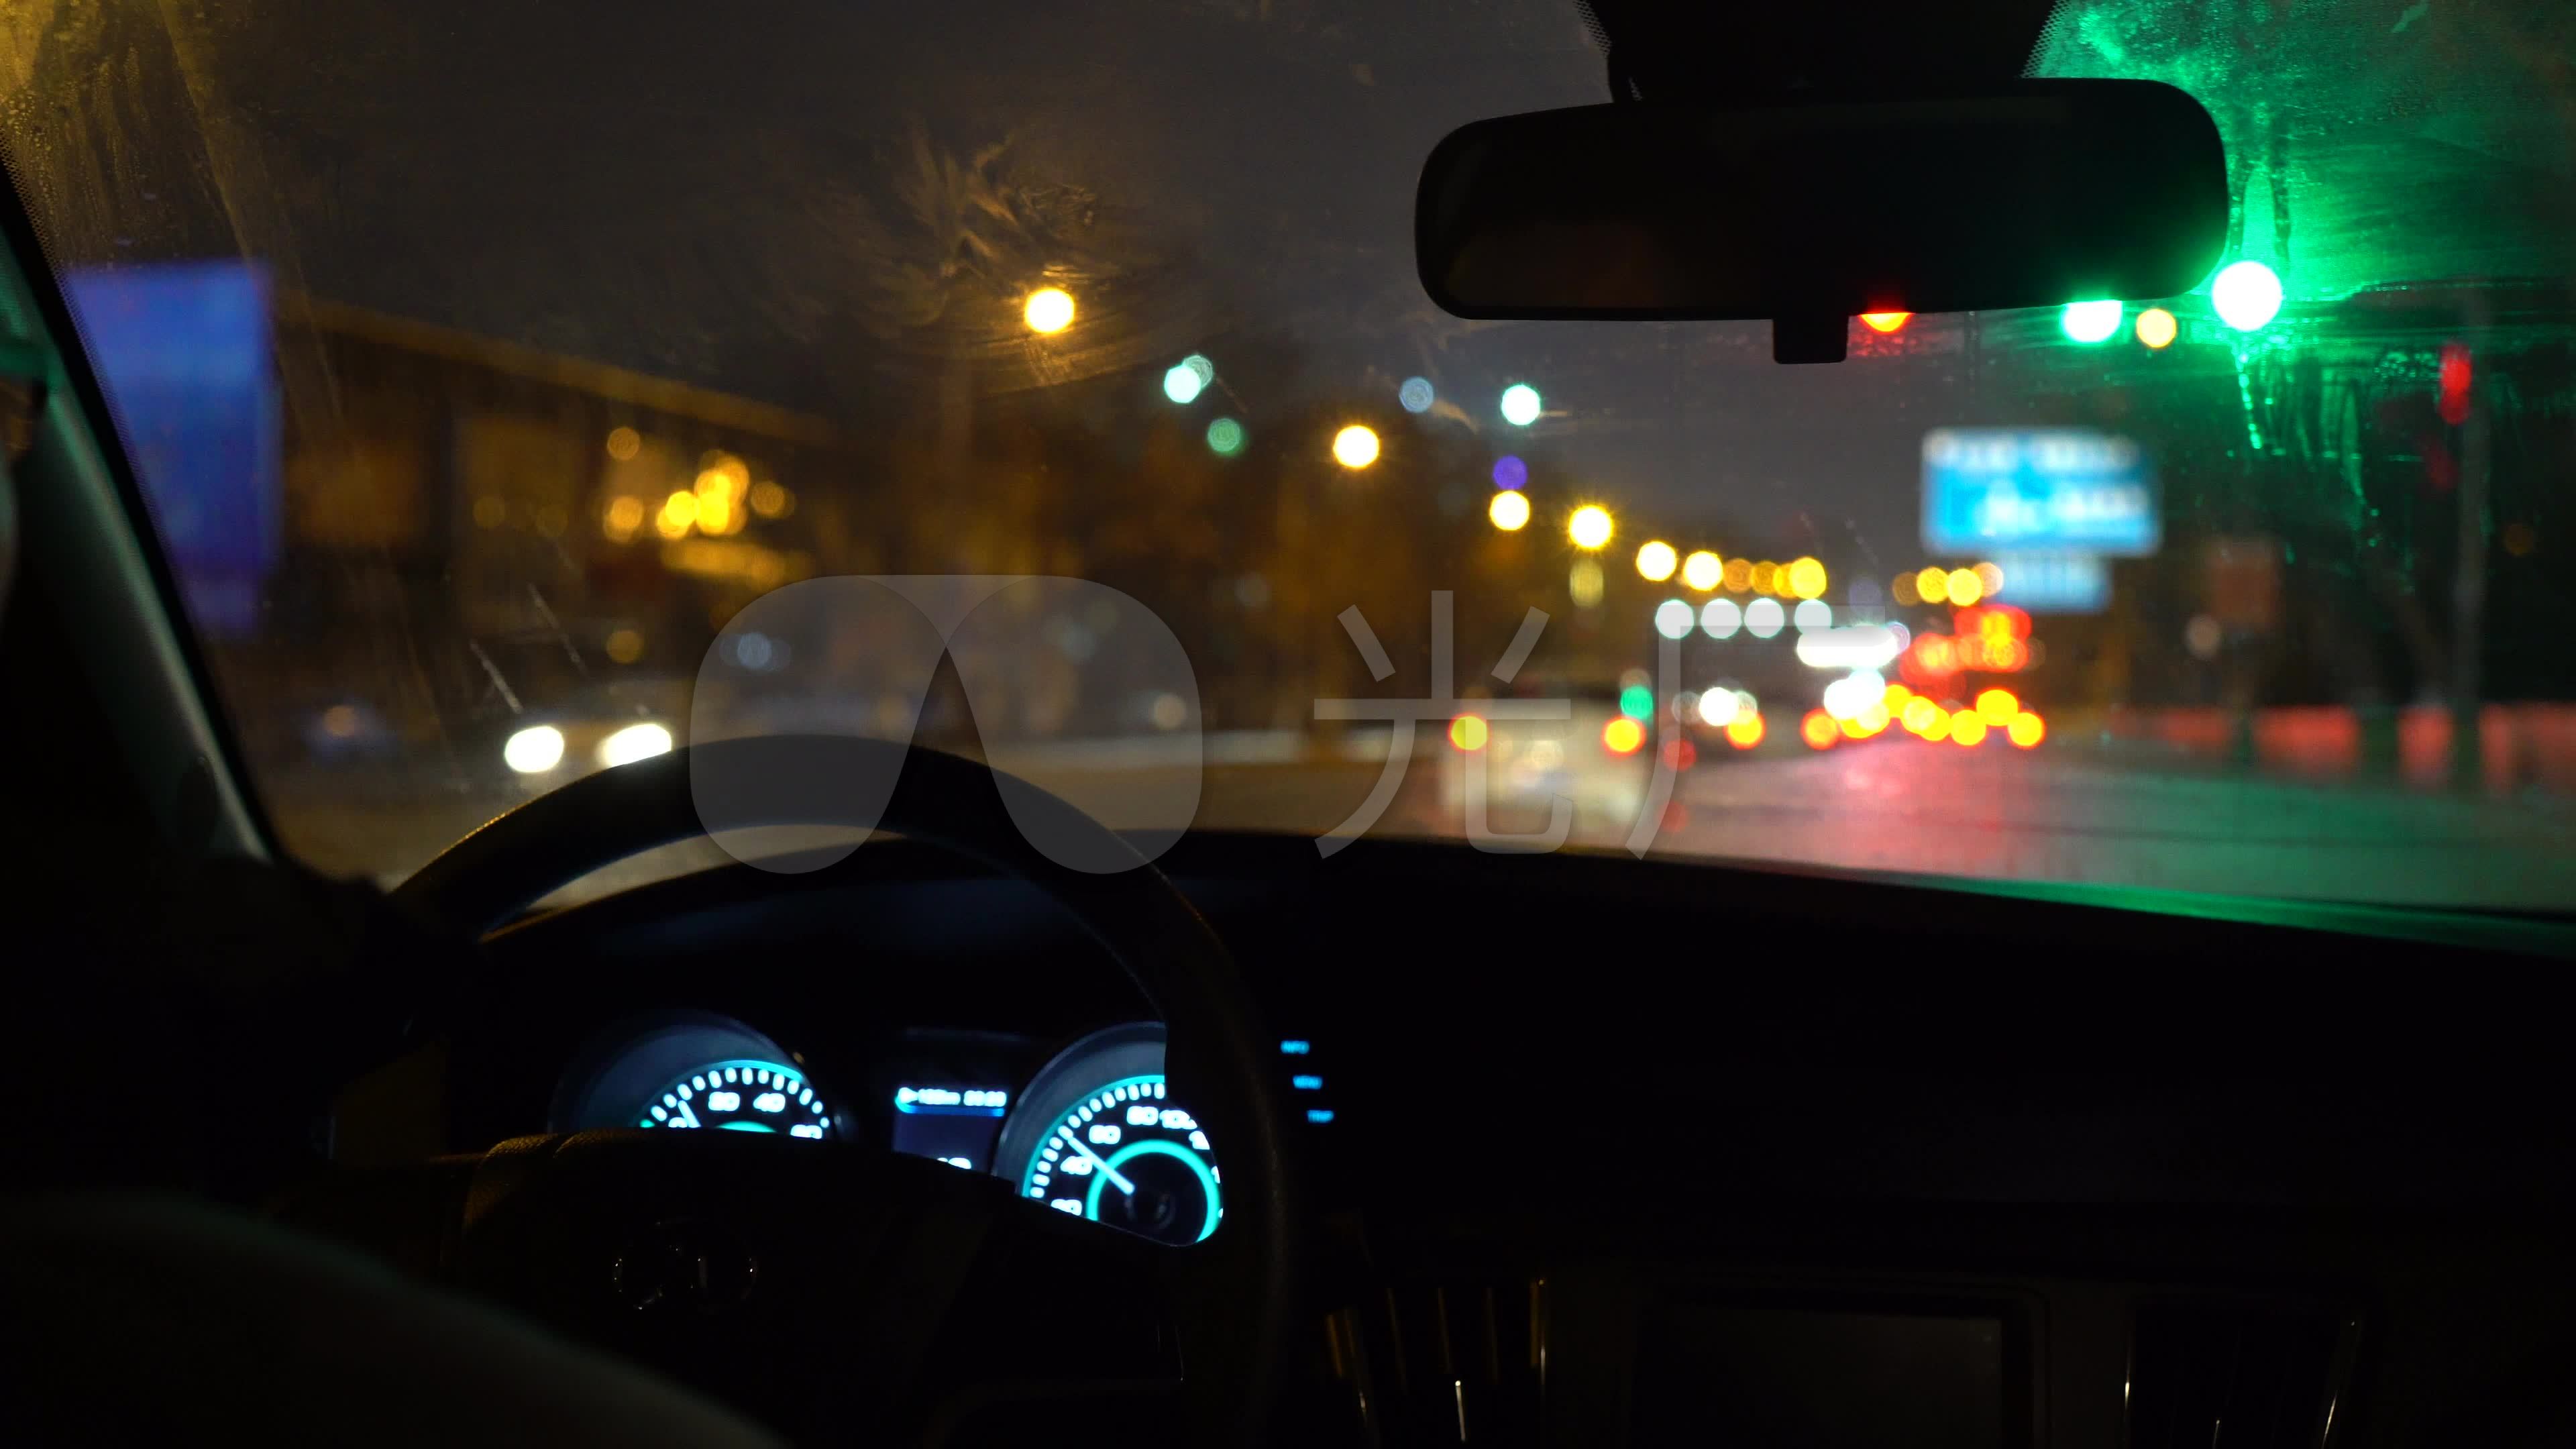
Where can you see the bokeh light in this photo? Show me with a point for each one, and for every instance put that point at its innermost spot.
(1656, 560)
(1919, 713)
(1355, 446)
(1990, 578)
(1963, 586)
(1510, 512)
(1763, 618)
(1416, 395)
(1766, 577)
(1225, 437)
(1636, 700)
(624, 444)
(2026, 730)
(1967, 727)
(1590, 527)
(1048, 310)
(1719, 618)
(1807, 578)
(1738, 575)
(2091, 321)
(1717, 706)
(1583, 582)
(2246, 295)
(2157, 328)
(1469, 732)
(1521, 405)
(1510, 472)
(1622, 736)
(1901, 589)
(534, 750)
(1998, 706)
(1673, 619)
(1182, 384)
(635, 742)
(1812, 614)
(1885, 322)
(1937, 728)
(1932, 586)
(1745, 730)
(1818, 729)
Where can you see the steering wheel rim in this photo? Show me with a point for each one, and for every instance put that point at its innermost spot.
(1243, 1273)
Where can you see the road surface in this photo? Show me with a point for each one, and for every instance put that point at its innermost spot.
(2070, 814)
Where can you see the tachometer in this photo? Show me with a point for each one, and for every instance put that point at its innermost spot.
(1099, 1134)
(741, 1096)
(691, 1069)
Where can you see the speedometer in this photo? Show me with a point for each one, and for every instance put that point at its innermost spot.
(1130, 1157)
(741, 1096)
(686, 1070)
(1099, 1134)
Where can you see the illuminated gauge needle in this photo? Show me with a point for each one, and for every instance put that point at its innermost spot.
(1120, 1183)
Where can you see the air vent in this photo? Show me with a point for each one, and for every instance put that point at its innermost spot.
(2228, 1376)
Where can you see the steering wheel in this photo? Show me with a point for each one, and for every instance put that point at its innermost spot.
(828, 1288)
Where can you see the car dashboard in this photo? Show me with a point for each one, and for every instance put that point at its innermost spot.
(1598, 1151)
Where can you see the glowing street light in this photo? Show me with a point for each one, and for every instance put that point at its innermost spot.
(1048, 310)
(1520, 405)
(1703, 571)
(1355, 446)
(1590, 527)
(2246, 295)
(1656, 561)
(1509, 511)
(2091, 321)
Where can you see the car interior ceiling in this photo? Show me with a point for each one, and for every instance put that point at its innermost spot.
(1666, 1153)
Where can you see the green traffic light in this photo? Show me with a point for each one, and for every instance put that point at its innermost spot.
(2246, 295)
(1636, 701)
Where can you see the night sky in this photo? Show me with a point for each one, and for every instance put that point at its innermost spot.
(719, 194)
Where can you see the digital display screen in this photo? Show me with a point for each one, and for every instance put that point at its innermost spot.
(1794, 1378)
(956, 1124)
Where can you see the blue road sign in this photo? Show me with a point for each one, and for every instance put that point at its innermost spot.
(2055, 583)
(183, 353)
(1987, 490)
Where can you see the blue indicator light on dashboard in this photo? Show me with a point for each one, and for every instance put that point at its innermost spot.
(1307, 1084)
(1319, 1114)
(1294, 1047)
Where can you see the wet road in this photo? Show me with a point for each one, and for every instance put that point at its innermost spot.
(2057, 814)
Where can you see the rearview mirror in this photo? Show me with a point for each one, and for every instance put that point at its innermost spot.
(2032, 194)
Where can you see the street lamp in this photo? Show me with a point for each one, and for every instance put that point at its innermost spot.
(1509, 511)
(1590, 527)
(1656, 561)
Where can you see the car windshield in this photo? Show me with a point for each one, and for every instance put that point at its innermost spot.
(504, 377)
